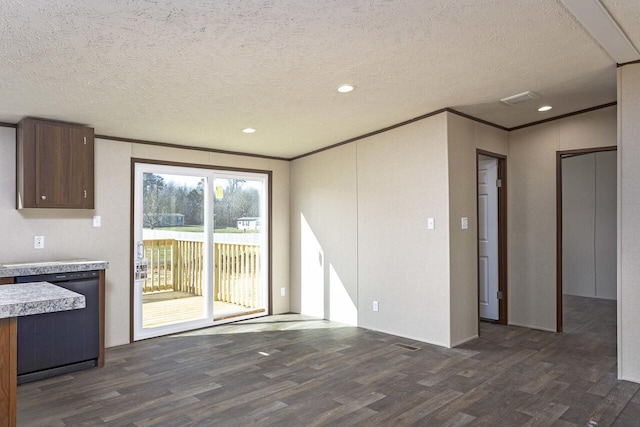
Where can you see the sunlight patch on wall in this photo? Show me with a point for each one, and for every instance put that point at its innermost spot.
(341, 309)
(312, 272)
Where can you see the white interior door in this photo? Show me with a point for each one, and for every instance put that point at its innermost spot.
(488, 237)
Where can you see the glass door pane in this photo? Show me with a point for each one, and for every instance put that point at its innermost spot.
(240, 246)
(172, 249)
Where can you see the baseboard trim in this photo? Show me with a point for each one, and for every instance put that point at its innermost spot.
(457, 343)
(539, 328)
(405, 336)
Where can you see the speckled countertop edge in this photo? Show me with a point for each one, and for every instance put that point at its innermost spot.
(37, 268)
(25, 299)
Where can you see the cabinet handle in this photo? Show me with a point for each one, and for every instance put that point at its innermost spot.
(44, 197)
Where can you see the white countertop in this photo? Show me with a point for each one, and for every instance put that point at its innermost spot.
(24, 299)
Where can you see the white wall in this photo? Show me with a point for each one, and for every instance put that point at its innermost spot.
(403, 180)
(589, 225)
(70, 234)
(324, 272)
(532, 209)
(629, 222)
(363, 207)
(464, 138)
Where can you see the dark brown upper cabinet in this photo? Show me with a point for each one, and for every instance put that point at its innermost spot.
(54, 165)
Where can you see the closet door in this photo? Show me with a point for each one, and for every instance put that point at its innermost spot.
(578, 222)
(589, 224)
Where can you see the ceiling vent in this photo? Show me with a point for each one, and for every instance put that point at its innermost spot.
(520, 98)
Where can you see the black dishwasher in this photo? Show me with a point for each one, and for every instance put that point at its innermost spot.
(52, 344)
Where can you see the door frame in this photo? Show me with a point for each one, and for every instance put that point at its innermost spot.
(503, 304)
(561, 154)
(269, 237)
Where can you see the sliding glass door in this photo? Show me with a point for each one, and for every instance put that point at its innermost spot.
(200, 248)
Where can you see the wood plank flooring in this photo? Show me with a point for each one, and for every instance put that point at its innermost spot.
(292, 370)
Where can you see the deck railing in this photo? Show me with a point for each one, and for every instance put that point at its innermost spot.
(237, 274)
(178, 265)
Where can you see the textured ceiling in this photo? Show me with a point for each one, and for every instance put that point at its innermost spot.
(196, 72)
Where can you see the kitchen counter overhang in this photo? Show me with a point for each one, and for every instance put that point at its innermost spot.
(36, 298)
(49, 267)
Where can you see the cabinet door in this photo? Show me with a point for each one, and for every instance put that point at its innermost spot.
(59, 158)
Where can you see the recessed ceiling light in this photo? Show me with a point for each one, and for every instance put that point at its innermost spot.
(248, 130)
(346, 88)
(545, 108)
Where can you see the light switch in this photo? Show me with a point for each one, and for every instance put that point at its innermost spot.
(431, 223)
(465, 223)
(97, 221)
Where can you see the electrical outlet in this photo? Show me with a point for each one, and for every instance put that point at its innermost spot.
(464, 223)
(283, 292)
(97, 221)
(38, 242)
(376, 307)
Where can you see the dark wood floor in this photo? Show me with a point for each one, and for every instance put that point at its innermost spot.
(295, 371)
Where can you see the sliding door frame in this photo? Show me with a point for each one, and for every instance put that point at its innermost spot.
(223, 170)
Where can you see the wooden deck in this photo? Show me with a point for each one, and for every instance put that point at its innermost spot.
(166, 308)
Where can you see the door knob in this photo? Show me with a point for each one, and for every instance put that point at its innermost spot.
(44, 197)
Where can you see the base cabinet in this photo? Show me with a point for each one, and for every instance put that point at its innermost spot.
(8, 372)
